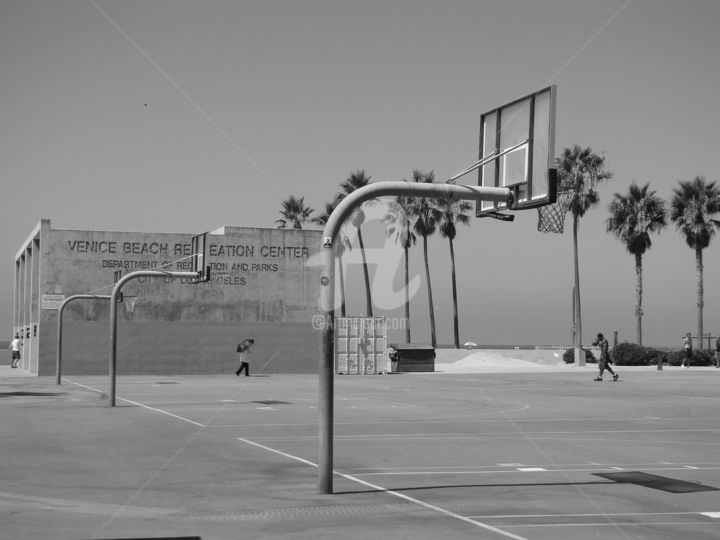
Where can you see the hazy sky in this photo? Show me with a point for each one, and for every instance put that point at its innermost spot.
(183, 116)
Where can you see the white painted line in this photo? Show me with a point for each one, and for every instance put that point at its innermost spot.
(714, 515)
(690, 467)
(531, 469)
(193, 422)
(596, 515)
(511, 464)
(617, 468)
(139, 404)
(498, 471)
(394, 493)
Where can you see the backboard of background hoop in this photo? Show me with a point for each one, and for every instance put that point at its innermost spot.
(522, 134)
(200, 263)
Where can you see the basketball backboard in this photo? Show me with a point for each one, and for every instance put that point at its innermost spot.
(200, 263)
(117, 275)
(519, 137)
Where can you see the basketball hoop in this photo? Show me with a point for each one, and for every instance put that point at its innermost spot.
(129, 302)
(551, 217)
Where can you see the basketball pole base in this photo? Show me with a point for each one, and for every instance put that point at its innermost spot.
(579, 358)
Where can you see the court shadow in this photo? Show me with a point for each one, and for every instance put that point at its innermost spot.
(456, 486)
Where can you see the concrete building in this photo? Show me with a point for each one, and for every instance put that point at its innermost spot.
(263, 285)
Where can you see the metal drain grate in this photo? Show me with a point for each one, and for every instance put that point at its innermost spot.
(272, 402)
(663, 483)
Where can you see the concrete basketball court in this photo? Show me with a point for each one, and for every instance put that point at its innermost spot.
(471, 451)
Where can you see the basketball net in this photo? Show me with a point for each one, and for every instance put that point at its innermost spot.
(130, 303)
(551, 217)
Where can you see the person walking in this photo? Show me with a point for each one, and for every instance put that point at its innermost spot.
(15, 349)
(604, 360)
(243, 350)
(687, 350)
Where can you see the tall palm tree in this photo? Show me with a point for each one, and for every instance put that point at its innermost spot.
(632, 218)
(426, 215)
(453, 213)
(692, 208)
(294, 213)
(341, 246)
(353, 182)
(579, 171)
(399, 225)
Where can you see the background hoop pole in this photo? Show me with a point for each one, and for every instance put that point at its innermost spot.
(113, 314)
(61, 309)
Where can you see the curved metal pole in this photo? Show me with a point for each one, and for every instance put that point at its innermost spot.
(113, 313)
(58, 363)
(327, 291)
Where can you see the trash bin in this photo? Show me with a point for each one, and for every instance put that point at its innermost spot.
(408, 357)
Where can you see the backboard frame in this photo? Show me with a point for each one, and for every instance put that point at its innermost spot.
(527, 151)
(200, 258)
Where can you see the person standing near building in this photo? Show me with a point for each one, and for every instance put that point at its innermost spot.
(717, 351)
(687, 350)
(604, 360)
(15, 349)
(243, 350)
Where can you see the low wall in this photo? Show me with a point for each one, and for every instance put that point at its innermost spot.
(185, 348)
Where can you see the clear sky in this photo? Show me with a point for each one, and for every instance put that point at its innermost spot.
(183, 116)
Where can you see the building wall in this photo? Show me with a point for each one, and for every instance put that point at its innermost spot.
(263, 285)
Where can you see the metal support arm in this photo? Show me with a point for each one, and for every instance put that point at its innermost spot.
(113, 313)
(327, 290)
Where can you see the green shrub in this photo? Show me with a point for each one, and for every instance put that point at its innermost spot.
(569, 356)
(630, 354)
(654, 356)
(699, 358)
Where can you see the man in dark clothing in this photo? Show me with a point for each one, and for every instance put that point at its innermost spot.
(604, 361)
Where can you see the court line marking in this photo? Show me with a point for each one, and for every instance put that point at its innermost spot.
(542, 452)
(193, 422)
(391, 492)
(617, 514)
(614, 524)
(509, 471)
(713, 515)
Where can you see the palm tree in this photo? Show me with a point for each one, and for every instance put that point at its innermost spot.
(453, 213)
(579, 171)
(426, 215)
(632, 218)
(340, 247)
(692, 209)
(294, 213)
(353, 182)
(398, 224)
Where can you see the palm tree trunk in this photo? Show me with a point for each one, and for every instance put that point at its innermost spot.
(456, 321)
(578, 311)
(341, 275)
(368, 298)
(638, 296)
(700, 302)
(407, 294)
(431, 304)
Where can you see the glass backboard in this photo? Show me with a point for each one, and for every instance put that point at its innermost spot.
(200, 264)
(521, 136)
